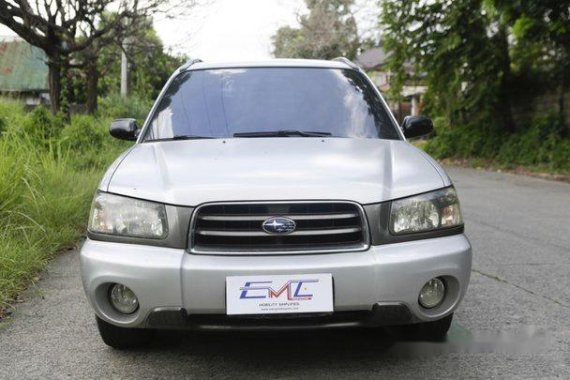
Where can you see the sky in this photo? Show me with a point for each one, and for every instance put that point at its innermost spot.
(229, 29)
(235, 30)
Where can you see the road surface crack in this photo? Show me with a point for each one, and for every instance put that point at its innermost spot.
(497, 278)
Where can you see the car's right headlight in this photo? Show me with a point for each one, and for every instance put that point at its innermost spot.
(117, 215)
(431, 211)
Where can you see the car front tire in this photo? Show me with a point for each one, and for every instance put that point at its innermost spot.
(121, 337)
(435, 331)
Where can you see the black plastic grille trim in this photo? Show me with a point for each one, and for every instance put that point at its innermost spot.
(236, 228)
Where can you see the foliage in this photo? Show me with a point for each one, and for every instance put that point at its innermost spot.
(10, 111)
(48, 173)
(288, 43)
(327, 31)
(541, 47)
(150, 66)
(479, 58)
(99, 71)
(62, 28)
(66, 29)
(542, 143)
(543, 26)
(462, 48)
(116, 107)
(87, 137)
(476, 54)
(83, 132)
(41, 127)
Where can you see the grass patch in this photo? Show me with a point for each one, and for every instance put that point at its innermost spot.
(49, 170)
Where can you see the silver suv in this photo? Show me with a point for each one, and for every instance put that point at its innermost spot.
(272, 195)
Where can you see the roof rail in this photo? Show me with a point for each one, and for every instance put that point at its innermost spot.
(347, 61)
(190, 62)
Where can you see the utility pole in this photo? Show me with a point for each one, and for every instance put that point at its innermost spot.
(124, 69)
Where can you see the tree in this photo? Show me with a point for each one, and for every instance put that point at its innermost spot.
(541, 31)
(478, 54)
(327, 31)
(150, 66)
(65, 27)
(462, 48)
(288, 42)
(98, 68)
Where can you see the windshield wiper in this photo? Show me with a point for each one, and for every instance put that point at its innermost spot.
(282, 133)
(183, 137)
(191, 137)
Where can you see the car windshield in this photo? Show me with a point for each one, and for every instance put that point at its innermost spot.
(270, 102)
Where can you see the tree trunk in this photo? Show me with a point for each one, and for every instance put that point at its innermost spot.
(54, 81)
(65, 96)
(504, 95)
(92, 83)
(561, 108)
(564, 128)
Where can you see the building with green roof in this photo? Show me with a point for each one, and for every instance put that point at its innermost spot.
(23, 71)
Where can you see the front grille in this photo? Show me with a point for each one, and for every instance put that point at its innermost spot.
(236, 228)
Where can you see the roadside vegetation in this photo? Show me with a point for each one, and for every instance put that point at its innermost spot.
(51, 160)
(539, 146)
(49, 170)
(497, 74)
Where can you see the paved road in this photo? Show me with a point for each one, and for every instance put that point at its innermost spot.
(513, 323)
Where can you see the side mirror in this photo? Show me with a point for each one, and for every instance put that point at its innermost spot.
(124, 129)
(416, 126)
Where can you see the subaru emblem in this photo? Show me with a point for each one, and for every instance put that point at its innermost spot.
(279, 225)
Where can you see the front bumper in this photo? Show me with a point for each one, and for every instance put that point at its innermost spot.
(189, 288)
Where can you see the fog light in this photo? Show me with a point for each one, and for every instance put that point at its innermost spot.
(123, 299)
(432, 293)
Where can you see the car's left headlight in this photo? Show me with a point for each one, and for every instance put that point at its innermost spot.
(117, 215)
(426, 212)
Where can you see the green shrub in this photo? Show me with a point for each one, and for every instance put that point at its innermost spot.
(89, 140)
(58, 198)
(40, 127)
(84, 132)
(542, 143)
(11, 112)
(117, 107)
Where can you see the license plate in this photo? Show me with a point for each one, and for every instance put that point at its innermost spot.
(278, 294)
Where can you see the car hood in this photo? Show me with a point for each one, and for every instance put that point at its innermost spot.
(261, 169)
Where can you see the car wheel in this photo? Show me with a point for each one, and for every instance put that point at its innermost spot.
(435, 331)
(121, 337)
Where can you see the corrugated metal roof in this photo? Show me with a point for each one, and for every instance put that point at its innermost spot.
(23, 67)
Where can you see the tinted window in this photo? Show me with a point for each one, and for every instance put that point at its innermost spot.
(221, 102)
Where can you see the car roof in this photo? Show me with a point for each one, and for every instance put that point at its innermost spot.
(270, 63)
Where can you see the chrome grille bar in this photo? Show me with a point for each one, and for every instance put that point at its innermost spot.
(296, 233)
(263, 217)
